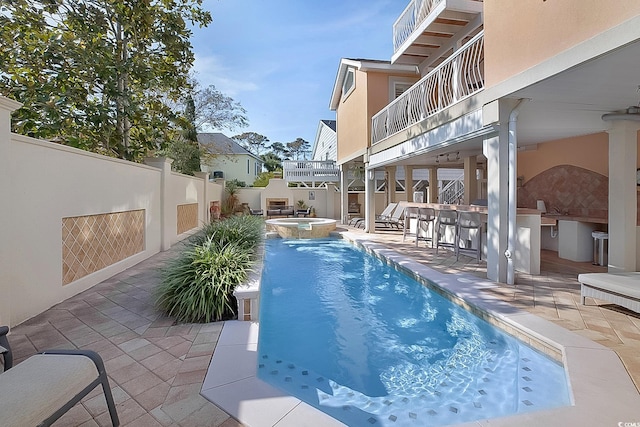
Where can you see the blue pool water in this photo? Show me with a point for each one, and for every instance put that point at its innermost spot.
(369, 345)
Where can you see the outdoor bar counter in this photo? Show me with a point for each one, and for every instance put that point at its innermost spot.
(528, 238)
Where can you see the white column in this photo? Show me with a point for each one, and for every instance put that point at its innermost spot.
(408, 183)
(623, 152)
(369, 200)
(496, 150)
(344, 193)
(8, 278)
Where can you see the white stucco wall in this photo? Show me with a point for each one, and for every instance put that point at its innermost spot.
(49, 182)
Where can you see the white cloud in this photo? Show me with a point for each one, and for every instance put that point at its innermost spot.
(211, 71)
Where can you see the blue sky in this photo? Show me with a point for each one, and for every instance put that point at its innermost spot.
(279, 58)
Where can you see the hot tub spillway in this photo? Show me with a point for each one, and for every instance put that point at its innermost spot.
(302, 228)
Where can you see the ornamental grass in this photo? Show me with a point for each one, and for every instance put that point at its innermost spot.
(198, 285)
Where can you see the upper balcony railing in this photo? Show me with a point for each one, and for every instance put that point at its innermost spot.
(310, 171)
(413, 15)
(458, 77)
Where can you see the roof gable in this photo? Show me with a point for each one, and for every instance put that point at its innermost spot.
(219, 143)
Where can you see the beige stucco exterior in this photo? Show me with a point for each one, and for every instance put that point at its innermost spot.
(353, 126)
(352, 121)
(520, 36)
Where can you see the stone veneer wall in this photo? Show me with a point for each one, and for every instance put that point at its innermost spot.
(187, 217)
(571, 189)
(93, 242)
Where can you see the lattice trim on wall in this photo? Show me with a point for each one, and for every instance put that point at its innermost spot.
(187, 217)
(93, 242)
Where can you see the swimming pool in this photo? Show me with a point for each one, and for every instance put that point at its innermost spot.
(368, 345)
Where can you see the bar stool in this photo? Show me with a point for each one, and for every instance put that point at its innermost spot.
(410, 212)
(469, 221)
(446, 218)
(426, 218)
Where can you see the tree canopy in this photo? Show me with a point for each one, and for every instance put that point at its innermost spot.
(98, 74)
(252, 142)
(298, 148)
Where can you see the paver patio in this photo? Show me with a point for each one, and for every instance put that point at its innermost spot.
(156, 366)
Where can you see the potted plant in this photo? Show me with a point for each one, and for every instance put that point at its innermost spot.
(312, 212)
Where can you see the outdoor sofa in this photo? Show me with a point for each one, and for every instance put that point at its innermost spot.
(286, 211)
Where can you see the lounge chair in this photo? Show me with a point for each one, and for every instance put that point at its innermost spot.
(619, 288)
(256, 212)
(385, 214)
(395, 219)
(45, 386)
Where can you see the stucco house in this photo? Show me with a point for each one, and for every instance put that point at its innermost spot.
(229, 159)
(535, 103)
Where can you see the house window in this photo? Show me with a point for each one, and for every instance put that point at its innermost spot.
(399, 85)
(248, 164)
(349, 83)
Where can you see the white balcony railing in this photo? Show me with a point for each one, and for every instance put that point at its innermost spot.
(458, 77)
(413, 15)
(310, 171)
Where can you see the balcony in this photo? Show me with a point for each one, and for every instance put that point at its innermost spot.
(310, 173)
(429, 30)
(458, 77)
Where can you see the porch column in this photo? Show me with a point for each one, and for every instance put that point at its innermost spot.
(470, 180)
(623, 205)
(390, 172)
(408, 183)
(496, 150)
(432, 196)
(369, 200)
(344, 193)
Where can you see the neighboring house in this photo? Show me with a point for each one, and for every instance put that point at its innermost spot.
(544, 96)
(230, 160)
(325, 145)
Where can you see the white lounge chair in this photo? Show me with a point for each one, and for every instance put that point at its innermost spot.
(385, 214)
(619, 288)
(394, 219)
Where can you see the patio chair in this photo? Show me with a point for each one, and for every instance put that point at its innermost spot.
(468, 221)
(256, 212)
(303, 212)
(45, 386)
(385, 214)
(446, 218)
(395, 219)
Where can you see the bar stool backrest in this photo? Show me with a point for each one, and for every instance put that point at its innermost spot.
(426, 214)
(447, 217)
(469, 220)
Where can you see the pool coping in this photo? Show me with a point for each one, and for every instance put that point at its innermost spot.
(594, 371)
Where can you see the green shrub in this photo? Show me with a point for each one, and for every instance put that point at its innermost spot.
(198, 285)
(247, 230)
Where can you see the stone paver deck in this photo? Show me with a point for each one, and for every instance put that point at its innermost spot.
(156, 366)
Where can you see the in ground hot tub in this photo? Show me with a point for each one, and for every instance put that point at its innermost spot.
(301, 228)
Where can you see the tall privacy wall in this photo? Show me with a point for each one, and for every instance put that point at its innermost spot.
(71, 219)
